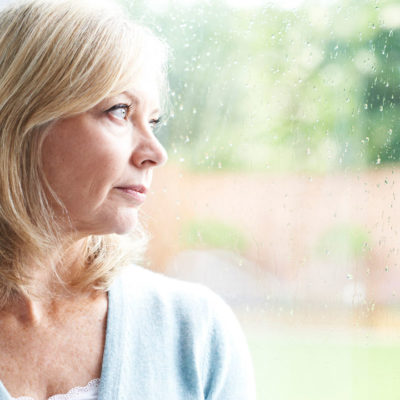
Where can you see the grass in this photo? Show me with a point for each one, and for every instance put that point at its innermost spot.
(316, 366)
(213, 233)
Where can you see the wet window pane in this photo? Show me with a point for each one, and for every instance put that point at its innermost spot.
(282, 190)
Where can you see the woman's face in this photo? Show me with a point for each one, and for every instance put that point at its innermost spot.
(99, 163)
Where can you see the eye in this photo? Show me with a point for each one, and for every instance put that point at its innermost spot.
(119, 111)
(155, 122)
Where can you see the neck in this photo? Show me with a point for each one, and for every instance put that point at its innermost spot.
(38, 312)
(48, 290)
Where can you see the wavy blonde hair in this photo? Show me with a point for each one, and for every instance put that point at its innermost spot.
(57, 59)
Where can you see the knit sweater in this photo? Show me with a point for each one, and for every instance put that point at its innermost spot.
(170, 340)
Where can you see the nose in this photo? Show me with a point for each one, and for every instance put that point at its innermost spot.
(148, 151)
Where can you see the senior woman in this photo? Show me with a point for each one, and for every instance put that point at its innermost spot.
(80, 94)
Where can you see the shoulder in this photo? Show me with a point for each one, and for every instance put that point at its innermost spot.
(189, 323)
(176, 299)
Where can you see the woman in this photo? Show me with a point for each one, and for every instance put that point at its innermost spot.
(80, 90)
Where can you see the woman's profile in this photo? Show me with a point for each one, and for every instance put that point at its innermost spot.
(81, 91)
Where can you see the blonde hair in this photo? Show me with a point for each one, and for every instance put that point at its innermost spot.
(57, 59)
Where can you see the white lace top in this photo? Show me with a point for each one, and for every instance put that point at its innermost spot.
(89, 392)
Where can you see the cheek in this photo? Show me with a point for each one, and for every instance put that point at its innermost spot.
(82, 172)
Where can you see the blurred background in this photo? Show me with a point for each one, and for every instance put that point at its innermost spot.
(282, 192)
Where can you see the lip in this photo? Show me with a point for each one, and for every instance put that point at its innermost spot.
(135, 192)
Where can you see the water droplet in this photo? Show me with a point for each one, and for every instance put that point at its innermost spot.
(349, 276)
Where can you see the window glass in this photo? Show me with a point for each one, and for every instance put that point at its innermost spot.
(282, 189)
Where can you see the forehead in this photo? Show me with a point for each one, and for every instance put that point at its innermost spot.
(143, 89)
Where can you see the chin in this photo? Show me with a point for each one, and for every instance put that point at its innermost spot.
(119, 224)
(123, 230)
(125, 224)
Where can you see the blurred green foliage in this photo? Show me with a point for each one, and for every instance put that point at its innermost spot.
(315, 88)
(343, 241)
(212, 233)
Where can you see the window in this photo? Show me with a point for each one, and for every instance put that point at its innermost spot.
(282, 190)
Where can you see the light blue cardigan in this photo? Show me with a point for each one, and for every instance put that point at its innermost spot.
(169, 340)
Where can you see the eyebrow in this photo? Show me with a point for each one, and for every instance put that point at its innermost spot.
(136, 100)
(131, 95)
